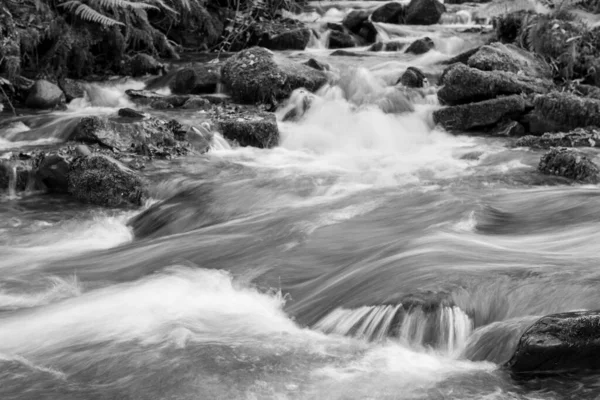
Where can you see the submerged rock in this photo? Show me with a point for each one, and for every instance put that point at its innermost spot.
(257, 129)
(559, 343)
(556, 112)
(478, 115)
(420, 46)
(102, 180)
(509, 58)
(570, 164)
(463, 84)
(196, 103)
(413, 78)
(318, 65)
(258, 75)
(390, 13)
(424, 12)
(581, 137)
(340, 40)
(44, 95)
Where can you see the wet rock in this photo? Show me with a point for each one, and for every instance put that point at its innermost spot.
(332, 26)
(318, 65)
(463, 84)
(53, 172)
(130, 113)
(82, 150)
(298, 104)
(388, 46)
(390, 13)
(345, 53)
(420, 46)
(424, 12)
(510, 58)
(44, 95)
(340, 40)
(355, 19)
(194, 103)
(295, 39)
(461, 58)
(559, 343)
(102, 180)
(569, 163)
(258, 75)
(478, 115)
(413, 78)
(581, 137)
(10, 170)
(367, 32)
(71, 88)
(147, 97)
(142, 64)
(199, 79)
(508, 128)
(558, 111)
(257, 129)
(161, 105)
(200, 138)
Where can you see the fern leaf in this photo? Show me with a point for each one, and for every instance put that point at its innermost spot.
(87, 13)
(116, 4)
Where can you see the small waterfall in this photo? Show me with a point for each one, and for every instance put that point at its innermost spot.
(318, 42)
(445, 328)
(219, 143)
(12, 181)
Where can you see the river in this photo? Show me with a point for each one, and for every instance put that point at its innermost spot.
(369, 256)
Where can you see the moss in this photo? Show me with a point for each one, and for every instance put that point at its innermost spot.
(257, 130)
(567, 111)
(569, 164)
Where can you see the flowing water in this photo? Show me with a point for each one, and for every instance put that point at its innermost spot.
(369, 256)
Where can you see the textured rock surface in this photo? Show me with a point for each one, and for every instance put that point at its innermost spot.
(509, 58)
(390, 13)
(424, 12)
(340, 40)
(555, 112)
(413, 78)
(420, 46)
(44, 95)
(257, 129)
(581, 137)
(570, 164)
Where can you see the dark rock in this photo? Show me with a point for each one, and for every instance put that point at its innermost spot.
(332, 26)
(367, 32)
(295, 39)
(390, 13)
(388, 46)
(199, 79)
(161, 105)
(101, 180)
(318, 65)
(556, 112)
(53, 172)
(413, 78)
(424, 12)
(463, 84)
(355, 19)
(340, 40)
(345, 53)
(477, 115)
(71, 88)
(258, 75)
(13, 170)
(559, 343)
(461, 58)
(142, 64)
(148, 97)
(420, 46)
(581, 137)
(510, 58)
(251, 129)
(194, 103)
(570, 164)
(130, 113)
(44, 95)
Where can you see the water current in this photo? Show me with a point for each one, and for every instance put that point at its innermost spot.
(369, 256)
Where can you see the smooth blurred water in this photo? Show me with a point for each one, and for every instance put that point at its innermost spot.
(369, 256)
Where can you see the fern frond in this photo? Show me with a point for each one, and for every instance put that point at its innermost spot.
(87, 13)
(123, 4)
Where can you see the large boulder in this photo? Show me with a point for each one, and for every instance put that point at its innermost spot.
(413, 78)
(390, 13)
(258, 75)
(580, 137)
(479, 115)
(558, 111)
(355, 19)
(424, 12)
(559, 343)
(104, 181)
(420, 46)
(257, 129)
(72, 89)
(463, 84)
(44, 95)
(569, 163)
(509, 58)
(340, 40)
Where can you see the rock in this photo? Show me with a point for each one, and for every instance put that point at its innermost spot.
(340, 40)
(53, 172)
(148, 97)
(413, 78)
(251, 129)
(318, 65)
(367, 32)
(332, 26)
(570, 164)
(160, 105)
(194, 103)
(558, 111)
(463, 84)
(44, 95)
(142, 64)
(581, 137)
(82, 150)
(258, 75)
(420, 46)
(102, 180)
(559, 343)
(295, 39)
(11, 170)
(298, 104)
(130, 113)
(355, 19)
(388, 46)
(345, 53)
(424, 12)
(461, 58)
(71, 88)
(390, 13)
(199, 79)
(478, 115)
(510, 58)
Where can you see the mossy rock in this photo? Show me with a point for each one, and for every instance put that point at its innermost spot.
(509, 58)
(257, 75)
(557, 111)
(569, 163)
(251, 129)
(102, 180)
